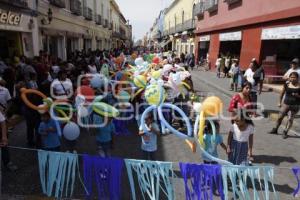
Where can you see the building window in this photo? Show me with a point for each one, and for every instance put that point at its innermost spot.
(182, 17)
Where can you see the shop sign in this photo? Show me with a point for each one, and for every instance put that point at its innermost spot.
(289, 32)
(232, 36)
(204, 38)
(10, 18)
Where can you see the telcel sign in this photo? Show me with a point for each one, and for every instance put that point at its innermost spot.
(9, 18)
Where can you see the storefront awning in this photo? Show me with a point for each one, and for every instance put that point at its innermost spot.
(279, 33)
(231, 36)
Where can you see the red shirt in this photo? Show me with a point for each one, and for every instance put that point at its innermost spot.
(237, 102)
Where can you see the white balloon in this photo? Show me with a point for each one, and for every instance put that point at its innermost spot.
(42, 111)
(71, 131)
(197, 106)
(82, 111)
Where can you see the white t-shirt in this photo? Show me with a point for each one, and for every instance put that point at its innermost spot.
(4, 98)
(249, 75)
(60, 88)
(2, 118)
(242, 136)
(287, 74)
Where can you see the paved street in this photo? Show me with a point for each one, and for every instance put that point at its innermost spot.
(268, 150)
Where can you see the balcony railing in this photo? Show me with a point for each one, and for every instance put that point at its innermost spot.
(88, 13)
(187, 25)
(98, 19)
(75, 7)
(199, 10)
(229, 2)
(17, 3)
(58, 3)
(212, 5)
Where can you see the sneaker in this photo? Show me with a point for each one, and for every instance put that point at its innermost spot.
(273, 131)
(285, 135)
(11, 167)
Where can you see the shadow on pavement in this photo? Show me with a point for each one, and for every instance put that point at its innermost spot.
(276, 160)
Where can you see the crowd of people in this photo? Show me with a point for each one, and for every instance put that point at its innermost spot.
(59, 79)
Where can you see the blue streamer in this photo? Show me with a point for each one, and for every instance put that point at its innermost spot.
(296, 172)
(57, 173)
(106, 172)
(152, 176)
(238, 176)
(203, 179)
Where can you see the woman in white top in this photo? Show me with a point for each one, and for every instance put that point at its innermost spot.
(240, 139)
(62, 87)
(92, 67)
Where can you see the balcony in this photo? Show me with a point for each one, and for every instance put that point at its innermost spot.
(16, 3)
(58, 3)
(212, 5)
(199, 10)
(229, 2)
(98, 20)
(88, 13)
(188, 25)
(75, 7)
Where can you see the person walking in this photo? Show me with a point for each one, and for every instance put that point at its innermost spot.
(291, 103)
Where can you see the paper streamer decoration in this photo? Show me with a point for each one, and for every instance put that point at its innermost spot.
(201, 180)
(296, 172)
(106, 172)
(58, 173)
(152, 177)
(238, 176)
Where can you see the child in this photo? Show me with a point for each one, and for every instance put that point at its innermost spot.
(48, 131)
(240, 140)
(149, 139)
(104, 136)
(210, 145)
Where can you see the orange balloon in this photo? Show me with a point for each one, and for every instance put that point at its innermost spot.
(212, 106)
(24, 93)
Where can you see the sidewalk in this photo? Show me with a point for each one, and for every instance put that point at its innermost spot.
(269, 98)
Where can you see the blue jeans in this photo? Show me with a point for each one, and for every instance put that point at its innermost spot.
(104, 148)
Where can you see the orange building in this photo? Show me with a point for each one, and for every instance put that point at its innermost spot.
(268, 30)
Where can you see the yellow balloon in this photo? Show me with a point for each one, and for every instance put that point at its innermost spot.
(212, 106)
(201, 129)
(156, 74)
(140, 81)
(155, 94)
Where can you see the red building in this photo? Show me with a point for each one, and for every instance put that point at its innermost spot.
(268, 30)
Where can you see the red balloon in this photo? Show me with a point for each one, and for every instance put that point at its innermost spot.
(87, 92)
(155, 60)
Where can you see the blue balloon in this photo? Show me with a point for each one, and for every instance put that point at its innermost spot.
(183, 116)
(98, 81)
(71, 131)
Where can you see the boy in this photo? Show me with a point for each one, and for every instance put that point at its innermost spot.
(48, 131)
(149, 139)
(104, 136)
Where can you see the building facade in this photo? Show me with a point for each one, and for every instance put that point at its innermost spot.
(60, 27)
(18, 28)
(179, 26)
(266, 30)
(75, 25)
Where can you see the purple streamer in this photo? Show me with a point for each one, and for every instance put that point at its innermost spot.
(202, 179)
(296, 171)
(106, 172)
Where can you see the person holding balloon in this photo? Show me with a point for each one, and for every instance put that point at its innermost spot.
(211, 143)
(240, 140)
(48, 131)
(149, 138)
(104, 135)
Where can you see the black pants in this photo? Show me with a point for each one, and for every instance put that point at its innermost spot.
(32, 124)
(5, 155)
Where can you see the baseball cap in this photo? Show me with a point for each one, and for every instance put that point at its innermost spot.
(295, 61)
